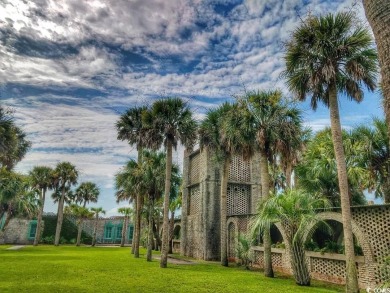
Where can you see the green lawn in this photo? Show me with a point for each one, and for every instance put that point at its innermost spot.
(86, 269)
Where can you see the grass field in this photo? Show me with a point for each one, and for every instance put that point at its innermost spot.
(86, 269)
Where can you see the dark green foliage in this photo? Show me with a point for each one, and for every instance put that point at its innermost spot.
(68, 231)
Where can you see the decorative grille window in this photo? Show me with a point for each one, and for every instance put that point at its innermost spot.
(238, 199)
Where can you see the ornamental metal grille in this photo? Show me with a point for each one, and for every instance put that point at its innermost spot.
(240, 170)
(238, 199)
(194, 200)
(194, 169)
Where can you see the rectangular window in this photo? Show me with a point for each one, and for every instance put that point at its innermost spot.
(131, 229)
(119, 232)
(33, 230)
(108, 232)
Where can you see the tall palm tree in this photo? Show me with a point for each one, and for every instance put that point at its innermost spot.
(96, 212)
(131, 129)
(65, 176)
(294, 210)
(41, 178)
(170, 122)
(275, 121)
(126, 212)
(327, 55)
(87, 192)
(378, 15)
(375, 153)
(226, 131)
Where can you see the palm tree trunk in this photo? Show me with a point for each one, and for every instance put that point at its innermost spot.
(150, 231)
(265, 182)
(95, 230)
(135, 228)
(223, 211)
(171, 227)
(299, 264)
(60, 217)
(288, 174)
(167, 190)
(351, 272)
(137, 222)
(378, 15)
(40, 213)
(124, 231)
(80, 229)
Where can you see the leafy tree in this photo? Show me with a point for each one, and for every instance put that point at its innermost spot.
(96, 212)
(170, 122)
(317, 172)
(41, 179)
(295, 210)
(87, 192)
(65, 176)
(131, 129)
(328, 55)
(126, 212)
(375, 156)
(16, 197)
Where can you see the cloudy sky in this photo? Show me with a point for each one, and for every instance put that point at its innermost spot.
(69, 68)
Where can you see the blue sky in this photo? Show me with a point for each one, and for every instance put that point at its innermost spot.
(69, 68)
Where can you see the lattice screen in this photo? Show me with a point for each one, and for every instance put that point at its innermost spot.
(239, 170)
(328, 266)
(277, 260)
(231, 240)
(238, 199)
(194, 169)
(194, 200)
(376, 225)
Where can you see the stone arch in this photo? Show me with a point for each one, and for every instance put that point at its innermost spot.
(232, 233)
(357, 232)
(176, 231)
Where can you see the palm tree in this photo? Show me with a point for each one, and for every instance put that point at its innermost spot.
(65, 175)
(87, 192)
(173, 206)
(81, 213)
(96, 212)
(317, 171)
(13, 142)
(170, 122)
(378, 15)
(227, 131)
(41, 178)
(294, 210)
(16, 197)
(275, 121)
(131, 129)
(126, 212)
(327, 55)
(375, 153)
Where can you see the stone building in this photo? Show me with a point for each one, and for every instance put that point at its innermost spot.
(109, 230)
(200, 226)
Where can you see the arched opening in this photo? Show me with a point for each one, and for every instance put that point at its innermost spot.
(277, 240)
(231, 240)
(176, 232)
(328, 237)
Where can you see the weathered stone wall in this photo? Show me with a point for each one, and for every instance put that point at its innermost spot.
(16, 232)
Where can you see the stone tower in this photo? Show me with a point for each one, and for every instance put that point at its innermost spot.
(200, 236)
